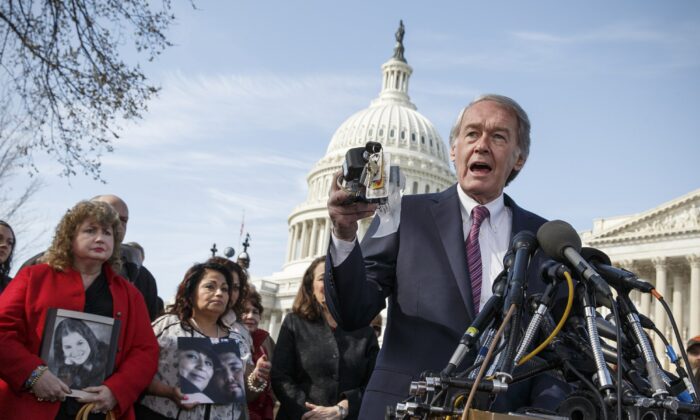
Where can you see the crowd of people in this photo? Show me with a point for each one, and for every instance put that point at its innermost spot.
(202, 357)
(205, 355)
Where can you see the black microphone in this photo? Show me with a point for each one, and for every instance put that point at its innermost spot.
(523, 245)
(482, 320)
(560, 241)
(620, 279)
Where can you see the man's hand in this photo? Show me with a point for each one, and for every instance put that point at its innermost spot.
(50, 388)
(344, 212)
(321, 413)
(102, 397)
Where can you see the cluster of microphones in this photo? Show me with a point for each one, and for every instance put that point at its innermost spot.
(609, 362)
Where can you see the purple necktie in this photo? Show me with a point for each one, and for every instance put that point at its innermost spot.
(479, 213)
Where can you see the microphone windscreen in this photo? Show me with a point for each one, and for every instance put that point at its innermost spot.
(524, 240)
(593, 255)
(557, 235)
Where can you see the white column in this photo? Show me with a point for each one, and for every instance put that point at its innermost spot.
(313, 240)
(326, 235)
(677, 302)
(296, 250)
(290, 245)
(645, 305)
(304, 240)
(659, 313)
(694, 298)
(274, 324)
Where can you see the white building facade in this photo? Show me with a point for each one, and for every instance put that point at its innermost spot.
(662, 246)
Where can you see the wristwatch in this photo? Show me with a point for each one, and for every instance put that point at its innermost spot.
(342, 411)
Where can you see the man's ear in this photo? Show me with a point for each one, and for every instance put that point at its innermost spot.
(519, 163)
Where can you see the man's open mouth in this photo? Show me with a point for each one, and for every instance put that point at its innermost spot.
(479, 168)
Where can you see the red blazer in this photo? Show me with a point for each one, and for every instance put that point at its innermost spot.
(23, 307)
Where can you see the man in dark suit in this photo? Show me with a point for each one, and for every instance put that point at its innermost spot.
(436, 267)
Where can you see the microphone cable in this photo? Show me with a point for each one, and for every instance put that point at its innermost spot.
(487, 360)
(590, 385)
(618, 340)
(560, 325)
(661, 299)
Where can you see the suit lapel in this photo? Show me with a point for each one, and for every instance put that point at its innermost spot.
(448, 220)
(521, 218)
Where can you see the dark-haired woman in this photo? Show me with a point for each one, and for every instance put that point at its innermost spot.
(78, 354)
(257, 380)
(80, 275)
(262, 407)
(203, 298)
(320, 371)
(7, 248)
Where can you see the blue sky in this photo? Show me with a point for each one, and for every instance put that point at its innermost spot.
(253, 91)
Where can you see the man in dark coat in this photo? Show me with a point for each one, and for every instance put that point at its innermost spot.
(434, 282)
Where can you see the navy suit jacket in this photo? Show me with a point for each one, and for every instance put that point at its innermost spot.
(422, 269)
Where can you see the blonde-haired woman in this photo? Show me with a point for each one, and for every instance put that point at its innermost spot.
(79, 274)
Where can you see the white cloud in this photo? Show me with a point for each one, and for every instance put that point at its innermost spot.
(192, 109)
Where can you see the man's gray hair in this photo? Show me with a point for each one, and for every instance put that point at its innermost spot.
(523, 124)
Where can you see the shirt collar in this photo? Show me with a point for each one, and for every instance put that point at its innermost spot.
(496, 208)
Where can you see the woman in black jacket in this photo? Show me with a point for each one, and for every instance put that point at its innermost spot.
(319, 370)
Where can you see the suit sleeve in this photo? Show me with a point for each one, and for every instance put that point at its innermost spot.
(356, 290)
(285, 370)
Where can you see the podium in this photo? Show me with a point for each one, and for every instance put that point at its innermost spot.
(475, 414)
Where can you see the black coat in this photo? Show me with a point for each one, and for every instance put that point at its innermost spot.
(313, 363)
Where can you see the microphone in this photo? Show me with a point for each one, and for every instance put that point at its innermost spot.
(560, 241)
(482, 320)
(523, 245)
(620, 279)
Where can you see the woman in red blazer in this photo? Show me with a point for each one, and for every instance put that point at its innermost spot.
(79, 274)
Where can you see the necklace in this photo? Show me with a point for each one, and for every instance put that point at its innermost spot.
(201, 330)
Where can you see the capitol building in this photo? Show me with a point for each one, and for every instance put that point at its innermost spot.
(661, 245)
(414, 145)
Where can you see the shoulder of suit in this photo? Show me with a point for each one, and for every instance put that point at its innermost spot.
(533, 218)
(431, 197)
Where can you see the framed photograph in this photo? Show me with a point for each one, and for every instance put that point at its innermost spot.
(79, 348)
(210, 370)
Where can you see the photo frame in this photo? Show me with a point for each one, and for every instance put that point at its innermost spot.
(210, 370)
(79, 348)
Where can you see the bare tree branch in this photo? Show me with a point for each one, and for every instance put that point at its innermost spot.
(69, 86)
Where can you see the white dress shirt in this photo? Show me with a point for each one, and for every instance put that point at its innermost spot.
(494, 239)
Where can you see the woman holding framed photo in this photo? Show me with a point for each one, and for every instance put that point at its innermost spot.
(79, 275)
(201, 303)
